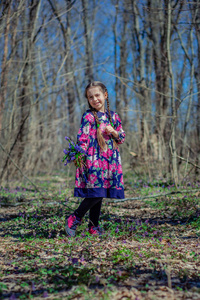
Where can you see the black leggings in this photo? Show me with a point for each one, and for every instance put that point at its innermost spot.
(94, 207)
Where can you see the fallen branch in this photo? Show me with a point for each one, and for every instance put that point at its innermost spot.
(156, 195)
(14, 204)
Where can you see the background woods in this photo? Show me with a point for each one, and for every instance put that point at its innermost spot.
(146, 52)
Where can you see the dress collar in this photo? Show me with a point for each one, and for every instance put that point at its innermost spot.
(100, 113)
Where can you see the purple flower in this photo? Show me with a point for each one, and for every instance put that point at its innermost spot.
(120, 273)
(32, 286)
(45, 294)
(66, 152)
(82, 259)
(117, 230)
(74, 152)
(74, 260)
(118, 220)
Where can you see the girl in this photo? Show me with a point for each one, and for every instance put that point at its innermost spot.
(99, 135)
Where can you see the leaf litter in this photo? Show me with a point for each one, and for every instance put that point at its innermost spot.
(146, 252)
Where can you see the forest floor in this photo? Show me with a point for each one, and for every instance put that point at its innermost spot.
(150, 247)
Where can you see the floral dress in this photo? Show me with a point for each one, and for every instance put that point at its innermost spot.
(102, 175)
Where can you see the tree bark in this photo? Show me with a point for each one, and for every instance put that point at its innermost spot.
(141, 82)
(26, 84)
(196, 13)
(173, 105)
(4, 67)
(88, 43)
(117, 98)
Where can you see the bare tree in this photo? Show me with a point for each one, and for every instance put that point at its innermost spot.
(88, 41)
(6, 11)
(68, 57)
(196, 15)
(173, 108)
(51, 48)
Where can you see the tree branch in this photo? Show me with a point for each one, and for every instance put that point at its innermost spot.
(189, 162)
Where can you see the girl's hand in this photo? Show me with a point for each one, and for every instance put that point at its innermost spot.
(109, 129)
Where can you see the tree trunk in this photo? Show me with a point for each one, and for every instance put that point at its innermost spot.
(26, 83)
(173, 106)
(69, 66)
(196, 15)
(117, 98)
(141, 82)
(88, 42)
(123, 101)
(4, 67)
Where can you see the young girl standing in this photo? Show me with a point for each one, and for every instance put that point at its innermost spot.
(99, 135)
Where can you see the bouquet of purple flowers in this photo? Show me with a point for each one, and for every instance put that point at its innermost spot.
(74, 153)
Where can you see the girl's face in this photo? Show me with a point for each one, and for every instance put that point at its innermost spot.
(97, 98)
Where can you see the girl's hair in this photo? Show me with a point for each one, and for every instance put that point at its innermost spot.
(100, 138)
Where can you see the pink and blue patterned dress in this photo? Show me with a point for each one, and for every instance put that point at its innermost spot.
(102, 175)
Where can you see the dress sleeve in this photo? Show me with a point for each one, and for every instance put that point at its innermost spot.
(83, 136)
(118, 127)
